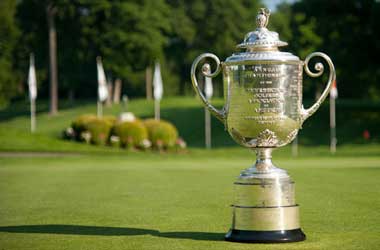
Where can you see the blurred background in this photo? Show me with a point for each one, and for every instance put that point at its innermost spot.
(131, 36)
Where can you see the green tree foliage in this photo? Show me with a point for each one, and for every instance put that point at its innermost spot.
(8, 37)
(349, 32)
(131, 35)
(302, 36)
(200, 26)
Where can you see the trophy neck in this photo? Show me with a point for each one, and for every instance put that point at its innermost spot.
(264, 159)
(263, 167)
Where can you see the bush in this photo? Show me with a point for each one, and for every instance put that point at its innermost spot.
(110, 118)
(79, 125)
(131, 134)
(99, 130)
(161, 133)
(92, 129)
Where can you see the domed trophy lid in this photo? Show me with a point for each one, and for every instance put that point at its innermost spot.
(261, 44)
(262, 38)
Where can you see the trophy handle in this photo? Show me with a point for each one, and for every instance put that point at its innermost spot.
(306, 113)
(220, 114)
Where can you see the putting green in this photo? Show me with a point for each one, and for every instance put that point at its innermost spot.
(151, 201)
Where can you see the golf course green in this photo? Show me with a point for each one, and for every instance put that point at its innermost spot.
(57, 194)
(175, 202)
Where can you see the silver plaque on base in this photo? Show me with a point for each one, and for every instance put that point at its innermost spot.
(263, 110)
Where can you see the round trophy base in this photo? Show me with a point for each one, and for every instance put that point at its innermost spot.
(281, 236)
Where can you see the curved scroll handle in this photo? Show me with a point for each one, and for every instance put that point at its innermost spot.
(306, 113)
(220, 114)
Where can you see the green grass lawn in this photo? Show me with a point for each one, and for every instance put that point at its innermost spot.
(89, 197)
(152, 201)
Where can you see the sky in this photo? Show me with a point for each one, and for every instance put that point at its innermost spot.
(271, 4)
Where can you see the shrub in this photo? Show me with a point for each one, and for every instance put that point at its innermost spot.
(79, 125)
(99, 130)
(92, 129)
(110, 118)
(131, 134)
(161, 133)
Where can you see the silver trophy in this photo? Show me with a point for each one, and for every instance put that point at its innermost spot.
(263, 110)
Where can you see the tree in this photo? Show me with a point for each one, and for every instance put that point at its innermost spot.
(133, 37)
(51, 11)
(9, 77)
(349, 34)
(129, 35)
(302, 37)
(215, 26)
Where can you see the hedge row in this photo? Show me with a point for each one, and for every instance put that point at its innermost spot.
(139, 134)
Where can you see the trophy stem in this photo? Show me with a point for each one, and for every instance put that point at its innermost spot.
(264, 159)
(263, 167)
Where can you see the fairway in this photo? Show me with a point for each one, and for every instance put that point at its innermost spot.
(153, 201)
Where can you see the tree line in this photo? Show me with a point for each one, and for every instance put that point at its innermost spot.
(131, 35)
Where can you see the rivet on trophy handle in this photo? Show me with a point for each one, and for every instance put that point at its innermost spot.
(263, 110)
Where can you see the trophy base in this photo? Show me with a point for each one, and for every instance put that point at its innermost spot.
(264, 209)
(280, 236)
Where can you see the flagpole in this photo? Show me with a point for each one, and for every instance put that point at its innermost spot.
(102, 86)
(207, 129)
(157, 90)
(32, 115)
(157, 109)
(333, 139)
(100, 109)
(32, 82)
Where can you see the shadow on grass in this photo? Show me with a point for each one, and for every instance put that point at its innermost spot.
(109, 231)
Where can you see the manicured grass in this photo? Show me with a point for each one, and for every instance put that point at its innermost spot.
(181, 201)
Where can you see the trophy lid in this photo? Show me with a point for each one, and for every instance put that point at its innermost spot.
(262, 38)
(261, 44)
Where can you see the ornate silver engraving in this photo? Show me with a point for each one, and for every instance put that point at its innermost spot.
(247, 56)
(262, 37)
(262, 18)
(267, 138)
(291, 136)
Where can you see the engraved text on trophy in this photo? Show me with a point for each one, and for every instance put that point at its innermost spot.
(264, 96)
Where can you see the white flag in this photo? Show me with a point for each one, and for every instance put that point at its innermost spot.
(157, 83)
(32, 80)
(208, 87)
(102, 82)
(334, 91)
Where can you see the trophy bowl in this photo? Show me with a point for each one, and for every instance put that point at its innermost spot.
(263, 110)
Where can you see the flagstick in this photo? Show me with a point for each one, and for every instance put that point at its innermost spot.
(207, 129)
(100, 109)
(157, 109)
(32, 115)
(333, 139)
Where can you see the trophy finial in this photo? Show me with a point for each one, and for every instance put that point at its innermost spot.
(262, 18)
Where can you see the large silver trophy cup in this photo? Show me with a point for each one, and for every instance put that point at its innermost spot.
(263, 110)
